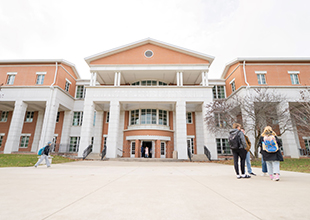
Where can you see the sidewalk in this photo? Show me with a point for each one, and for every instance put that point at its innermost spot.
(147, 190)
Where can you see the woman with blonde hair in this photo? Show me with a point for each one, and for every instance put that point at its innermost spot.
(270, 150)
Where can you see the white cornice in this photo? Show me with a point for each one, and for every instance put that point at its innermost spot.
(151, 41)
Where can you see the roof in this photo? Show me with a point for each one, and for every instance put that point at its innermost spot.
(263, 59)
(25, 61)
(149, 41)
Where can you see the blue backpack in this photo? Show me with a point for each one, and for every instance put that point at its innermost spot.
(270, 144)
(41, 151)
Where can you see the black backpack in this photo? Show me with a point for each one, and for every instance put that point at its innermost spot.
(234, 141)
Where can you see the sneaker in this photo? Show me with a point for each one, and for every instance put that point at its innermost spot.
(271, 177)
(253, 174)
(264, 174)
(35, 166)
(276, 178)
(238, 176)
(245, 176)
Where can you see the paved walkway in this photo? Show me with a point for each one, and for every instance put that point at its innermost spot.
(149, 190)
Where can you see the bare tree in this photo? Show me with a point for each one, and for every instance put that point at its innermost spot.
(257, 108)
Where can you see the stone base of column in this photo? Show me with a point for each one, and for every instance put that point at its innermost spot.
(175, 155)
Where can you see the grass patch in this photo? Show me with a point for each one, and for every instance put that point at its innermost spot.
(21, 160)
(296, 165)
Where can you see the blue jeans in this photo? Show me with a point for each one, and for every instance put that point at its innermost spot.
(248, 162)
(273, 167)
(264, 166)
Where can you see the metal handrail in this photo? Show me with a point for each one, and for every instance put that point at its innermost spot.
(87, 151)
(189, 154)
(104, 152)
(207, 152)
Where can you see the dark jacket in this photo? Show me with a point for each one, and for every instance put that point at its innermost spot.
(277, 156)
(46, 150)
(241, 137)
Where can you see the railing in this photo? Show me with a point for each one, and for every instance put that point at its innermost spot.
(189, 154)
(87, 151)
(104, 152)
(120, 151)
(207, 152)
(304, 152)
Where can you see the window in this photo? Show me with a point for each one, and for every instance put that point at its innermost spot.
(29, 117)
(4, 116)
(74, 144)
(1, 139)
(190, 144)
(149, 83)
(67, 86)
(162, 148)
(162, 117)
(108, 117)
(223, 146)
(218, 117)
(57, 118)
(148, 53)
(92, 140)
(134, 117)
(40, 78)
(24, 141)
(294, 78)
(148, 116)
(80, 92)
(77, 118)
(307, 143)
(94, 121)
(233, 85)
(261, 79)
(105, 142)
(189, 118)
(11, 78)
(133, 149)
(218, 92)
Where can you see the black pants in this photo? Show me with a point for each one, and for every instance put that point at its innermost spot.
(242, 154)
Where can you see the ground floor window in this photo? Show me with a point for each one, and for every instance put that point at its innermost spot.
(162, 149)
(74, 144)
(222, 146)
(307, 143)
(24, 141)
(190, 144)
(1, 139)
(133, 149)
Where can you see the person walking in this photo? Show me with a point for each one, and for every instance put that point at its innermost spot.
(248, 154)
(44, 155)
(146, 152)
(238, 144)
(270, 150)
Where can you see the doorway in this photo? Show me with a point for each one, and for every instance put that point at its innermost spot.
(149, 145)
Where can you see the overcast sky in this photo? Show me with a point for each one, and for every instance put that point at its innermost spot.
(225, 29)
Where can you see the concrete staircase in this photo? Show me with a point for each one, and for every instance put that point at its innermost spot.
(199, 157)
(93, 156)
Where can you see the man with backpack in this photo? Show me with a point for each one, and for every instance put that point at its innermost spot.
(44, 155)
(238, 145)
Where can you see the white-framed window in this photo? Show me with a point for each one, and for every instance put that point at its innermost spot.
(133, 149)
(24, 140)
(92, 141)
(67, 85)
(11, 78)
(307, 143)
(148, 116)
(190, 144)
(189, 118)
(77, 119)
(233, 85)
(1, 139)
(40, 78)
(261, 77)
(294, 77)
(162, 117)
(162, 149)
(74, 144)
(149, 83)
(134, 117)
(105, 141)
(57, 118)
(223, 146)
(4, 116)
(29, 116)
(219, 122)
(107, 117)
(95, 115)
(218, 92)
(80, 92)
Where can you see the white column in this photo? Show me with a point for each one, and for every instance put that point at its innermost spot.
(290, 139)
(204, 76)
(178, 79)
(181, 78)
(209, 137)
(93, 78)
(181, 130)
(16, 126)
(113, 132)
(67, 122)
(119, 79)
(115, 78)
(199, 132)
(35, 144)
(87, 126)
(98, 132)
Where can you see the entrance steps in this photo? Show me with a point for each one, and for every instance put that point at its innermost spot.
(93, 156)
(199, 157)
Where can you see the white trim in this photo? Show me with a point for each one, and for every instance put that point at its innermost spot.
(2, 134)
(68, 81)
(55, 135)
(293, 72)
(148, 137)
(105, 135)
(25, 135)
(190, 136)
(232, 81)
(305, 138)
(40, 73)
(11, 73)
(260, 72)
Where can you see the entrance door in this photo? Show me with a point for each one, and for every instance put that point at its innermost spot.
(149, 146)
(133, 149)
(162, 150)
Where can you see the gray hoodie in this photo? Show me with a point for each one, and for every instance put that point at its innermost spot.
(241, 136)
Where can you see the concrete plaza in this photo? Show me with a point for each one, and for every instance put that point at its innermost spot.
(149, 190)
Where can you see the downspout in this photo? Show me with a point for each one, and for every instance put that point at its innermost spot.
(244, 73)
(55, 75)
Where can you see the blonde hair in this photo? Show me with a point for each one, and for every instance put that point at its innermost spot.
(268, 131)
(236, 125)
